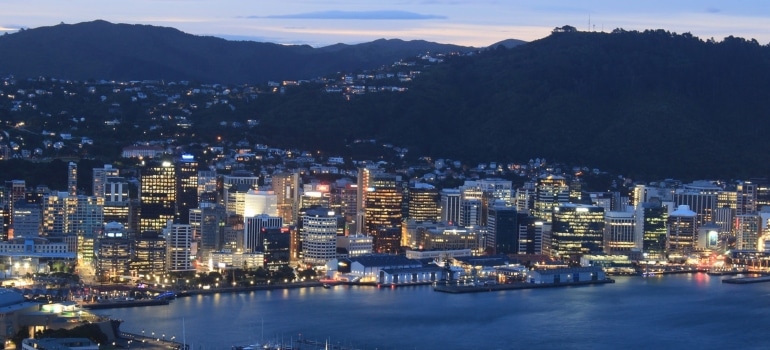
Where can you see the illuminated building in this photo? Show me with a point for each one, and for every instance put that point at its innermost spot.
(259, 203)
(383, 213)
(530, 235)
(72, 179)
(149, 255)
(179, 255)
(100, 176)
(315, 195)
(746, 198)
(238, 260)
(655, 217)
(550, 192)
(158, 196)
(709, 236)
(701, 197)
(364, 185)
(207, 184)
(206, 222)
(252, 230)
(237, 182)
(113, 253)
(26, 219)
(577, 229)
(525, 198)
(423, 202)
(343, 200)
(682, 228)
(84, 218)
(620, 234)
(117, 205)
(53, 214)
(747, 231)
(286, 188)
(186, 188)
(473, 206)
(450, 205)
(318, 234)
(356, 244)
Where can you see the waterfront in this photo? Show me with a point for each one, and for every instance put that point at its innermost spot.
(693, 310)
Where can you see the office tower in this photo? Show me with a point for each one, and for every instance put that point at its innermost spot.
(54, 214)
(253, 231)
(206, 222)
(682, 228)
(654, 229)
(343, 199)
(150, 256)
(14, 191)
(26, 220)
(286, 188)
(277, 243)
(117, 204)
(423, 200)
(100, 176)
(763, 192)
(550, 192)
(72, 179)
(315, 195)
(473, 204)
(158, 196)
(525, 198)
(179, 256)
(318, 234)
(113, 253)
(577, 229)
(746, 198)
(450, 205)
(383, 213)
(530, 235)
(207, 186)
(186, 188)
(748, 228)
(258, 203)
(238, 181)
(502, 230)
(700, 197)
(451, 238)
(363, 182)
(84, 218)
(356, 244)
(620, 234)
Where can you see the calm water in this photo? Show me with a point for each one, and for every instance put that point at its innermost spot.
(685, 311)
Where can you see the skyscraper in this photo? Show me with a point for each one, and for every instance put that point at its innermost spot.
(72, 179)
(187, 188)
(383, 213)
(158, 196)
(423, 202)
(682, 231)
(450, 205)
(319, 236)
(253, 233)
(286, 188)
(620, 234)
(100, 176)
(178, 247)
(577, 229)
(550, 192)
(503, 230)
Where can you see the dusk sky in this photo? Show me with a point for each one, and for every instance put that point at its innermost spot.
(464, 22)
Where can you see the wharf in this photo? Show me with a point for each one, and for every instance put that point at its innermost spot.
(124, 303)
(513, 286)
(746, 280)
(144, 342)
(726, 272)
(187, 293)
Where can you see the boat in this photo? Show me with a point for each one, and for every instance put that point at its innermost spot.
(327, 286)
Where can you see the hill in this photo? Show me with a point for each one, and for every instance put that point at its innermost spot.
(103, 50)
(652, 104)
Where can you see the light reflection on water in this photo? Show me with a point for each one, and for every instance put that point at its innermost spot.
(686, 310)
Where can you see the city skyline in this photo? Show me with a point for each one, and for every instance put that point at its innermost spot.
(477, 23)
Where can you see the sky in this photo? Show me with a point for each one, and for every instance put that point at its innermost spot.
(477, 23)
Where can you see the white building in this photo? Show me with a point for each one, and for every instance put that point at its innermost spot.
(319, 236)
(179, 247)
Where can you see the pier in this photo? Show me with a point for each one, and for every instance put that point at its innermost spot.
(457, 289)
(747, 280)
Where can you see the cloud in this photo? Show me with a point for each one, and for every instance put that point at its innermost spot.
(360, 15)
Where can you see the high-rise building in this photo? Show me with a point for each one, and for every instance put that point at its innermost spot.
(450, 205)
(117, 204)
(423, 202)
(525, 198)
(113, 253)
(577, 229)
(383, 213)
(178, 247)
(158, 196)
(206, 222)
(100, 176)
(550, 192)
(319, 236)
(186, 188)
(84, 218)
(700, 197)
(149, 256)
(207, 185)
(26, 220)
(748, 229)
(530, 235)
(258, 203)
(654, 229)
(746, 198)
(253, 233)
(72, 179)
(54, 214)
(620, 234)
(286, 187)
(682, 229)
(277, 243)
(502, 230)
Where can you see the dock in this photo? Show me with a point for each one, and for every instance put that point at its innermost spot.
(457, 289)
(747, 280)
(124, 303)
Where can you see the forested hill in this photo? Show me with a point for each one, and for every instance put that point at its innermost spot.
(651, 103)
(102, 50)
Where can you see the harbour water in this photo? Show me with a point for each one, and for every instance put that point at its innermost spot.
(688, 311)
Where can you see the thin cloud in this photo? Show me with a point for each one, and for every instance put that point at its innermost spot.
(359, 15)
